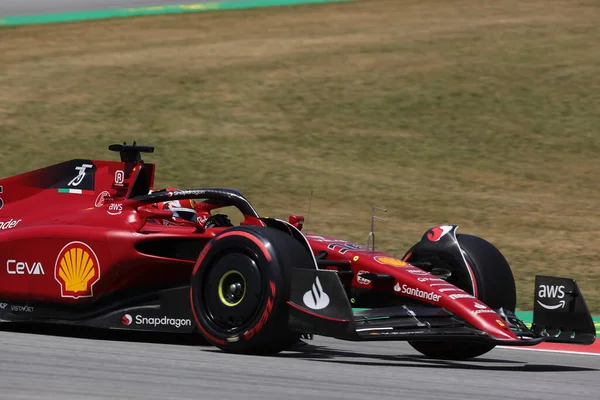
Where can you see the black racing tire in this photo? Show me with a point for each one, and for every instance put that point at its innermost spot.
(494, 285)
(240, 287)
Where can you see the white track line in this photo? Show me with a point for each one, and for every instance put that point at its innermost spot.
(547, 350)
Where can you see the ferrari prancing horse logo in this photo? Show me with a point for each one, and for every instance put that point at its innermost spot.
(77, 270)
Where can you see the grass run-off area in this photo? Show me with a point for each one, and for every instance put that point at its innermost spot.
(481, 114)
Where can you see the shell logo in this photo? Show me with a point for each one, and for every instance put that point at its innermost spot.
(391, 261)
(77, 270)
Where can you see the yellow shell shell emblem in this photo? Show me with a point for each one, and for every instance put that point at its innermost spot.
(76, 270)
(391, 261)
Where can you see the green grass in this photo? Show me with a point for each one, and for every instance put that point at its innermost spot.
(482, 114)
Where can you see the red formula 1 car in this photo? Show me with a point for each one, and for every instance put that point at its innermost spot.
(92, 243)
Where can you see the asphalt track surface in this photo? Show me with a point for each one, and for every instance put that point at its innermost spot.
(34, 7)
(56, 366)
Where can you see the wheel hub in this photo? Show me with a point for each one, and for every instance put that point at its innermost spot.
(234, 291)
(232, 288)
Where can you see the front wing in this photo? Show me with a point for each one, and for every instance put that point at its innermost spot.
(324, 309)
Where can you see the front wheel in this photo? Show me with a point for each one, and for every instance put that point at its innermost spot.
(493, 284)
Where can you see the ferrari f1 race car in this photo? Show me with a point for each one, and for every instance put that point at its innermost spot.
(107, 250)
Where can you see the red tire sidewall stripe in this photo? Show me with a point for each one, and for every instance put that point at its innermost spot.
(249, 237)
(199, 325)
(200, 258)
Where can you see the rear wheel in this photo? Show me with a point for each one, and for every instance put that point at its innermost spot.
(490, 280)
(240, 288)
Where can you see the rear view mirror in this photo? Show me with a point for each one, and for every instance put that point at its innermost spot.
(297, 221)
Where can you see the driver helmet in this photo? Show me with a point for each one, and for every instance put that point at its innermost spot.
(183, 211)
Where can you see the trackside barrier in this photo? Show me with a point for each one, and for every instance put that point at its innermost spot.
(153, 10)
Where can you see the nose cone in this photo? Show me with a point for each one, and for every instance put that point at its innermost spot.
(482, 317)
